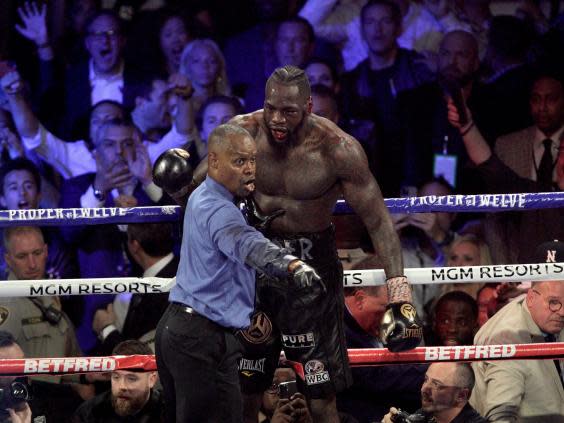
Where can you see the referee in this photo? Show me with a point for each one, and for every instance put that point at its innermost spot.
(214, 295)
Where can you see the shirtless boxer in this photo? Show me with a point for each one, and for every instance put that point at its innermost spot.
(304, 164)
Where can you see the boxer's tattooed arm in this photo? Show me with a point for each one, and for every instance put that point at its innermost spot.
(248, 122)
(362, 193)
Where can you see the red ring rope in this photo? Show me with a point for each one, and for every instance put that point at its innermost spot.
(357, 357)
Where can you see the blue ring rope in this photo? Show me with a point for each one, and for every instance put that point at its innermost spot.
(449, 203)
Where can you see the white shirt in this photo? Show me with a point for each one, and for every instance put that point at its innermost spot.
(72, 159)
(105, 88)
(121, 302)
(538, 150)
(339, 23)
(419, 27)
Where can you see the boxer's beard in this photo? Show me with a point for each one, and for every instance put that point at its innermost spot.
(295, 133)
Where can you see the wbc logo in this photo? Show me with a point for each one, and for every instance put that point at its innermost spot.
(315, 372)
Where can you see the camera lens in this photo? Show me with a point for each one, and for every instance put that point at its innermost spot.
(20, 391)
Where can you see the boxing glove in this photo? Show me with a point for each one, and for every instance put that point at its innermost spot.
(254, 215)
(305, 276)
(173, 173)
(401, 328)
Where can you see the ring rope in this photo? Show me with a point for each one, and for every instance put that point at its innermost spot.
(352, 278)
(431, 203)
(358, 358)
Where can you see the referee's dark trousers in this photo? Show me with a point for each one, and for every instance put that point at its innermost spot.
(197, 365)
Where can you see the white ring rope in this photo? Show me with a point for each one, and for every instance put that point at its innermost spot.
(352, 278)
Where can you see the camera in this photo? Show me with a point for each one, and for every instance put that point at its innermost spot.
(13, 395)
(404, 417)
(287, 389)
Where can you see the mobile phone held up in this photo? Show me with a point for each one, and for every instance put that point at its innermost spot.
(287, 389)
(452, 88)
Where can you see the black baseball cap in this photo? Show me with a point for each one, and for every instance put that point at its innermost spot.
(549, 252)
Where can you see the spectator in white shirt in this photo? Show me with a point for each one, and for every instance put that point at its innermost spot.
(73, 159)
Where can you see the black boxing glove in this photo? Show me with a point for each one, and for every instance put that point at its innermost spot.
(254, 215)
(401, 328)
(173, 173)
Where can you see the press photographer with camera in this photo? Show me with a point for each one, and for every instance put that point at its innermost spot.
(14, 392)
(444, 397)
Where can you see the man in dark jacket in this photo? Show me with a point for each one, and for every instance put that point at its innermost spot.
(132, 397)
(375, 388)
(135, 316)
(445, 394)
(370, 92)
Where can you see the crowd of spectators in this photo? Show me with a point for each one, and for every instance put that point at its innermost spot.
(444, 96)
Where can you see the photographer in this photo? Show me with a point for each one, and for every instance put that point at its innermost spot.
(444, 397)
(15, 391)
(281, 403)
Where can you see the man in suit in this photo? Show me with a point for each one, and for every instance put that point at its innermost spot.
(523, 150)
(123, 179)
(105, 76)
(375, 389)
(531, 153)
(528, 390)
(133, 316)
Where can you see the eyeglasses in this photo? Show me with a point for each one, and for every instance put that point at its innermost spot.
(553, 305)
(102, 35)
(438, 386)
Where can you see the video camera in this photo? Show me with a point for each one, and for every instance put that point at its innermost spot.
(13, 395)
(404, 417)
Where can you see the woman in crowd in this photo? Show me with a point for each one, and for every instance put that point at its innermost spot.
(173, 37)
(203, 63)
(467, 250)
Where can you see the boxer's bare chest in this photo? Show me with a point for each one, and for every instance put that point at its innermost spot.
(304, 172)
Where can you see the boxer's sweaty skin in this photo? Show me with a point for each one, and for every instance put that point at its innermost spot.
(306, 171)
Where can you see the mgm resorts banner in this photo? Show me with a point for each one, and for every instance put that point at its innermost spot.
(432, 275)
(352, 278)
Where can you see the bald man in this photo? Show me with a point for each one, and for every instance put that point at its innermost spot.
(458, 58)
(525, 390)
(444, 395)
(214, 295)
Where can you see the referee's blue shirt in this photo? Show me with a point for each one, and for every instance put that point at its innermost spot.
(212, 276)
